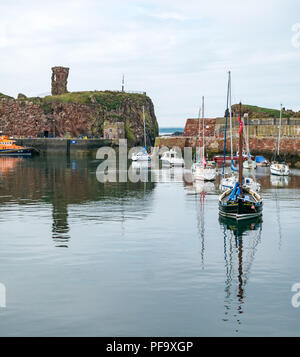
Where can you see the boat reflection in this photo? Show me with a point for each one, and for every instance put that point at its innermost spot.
(165, 175)
(279, 181)
(241, 240)
(8, 163)
(198, 187)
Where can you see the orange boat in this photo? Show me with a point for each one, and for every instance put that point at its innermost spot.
(8, 147)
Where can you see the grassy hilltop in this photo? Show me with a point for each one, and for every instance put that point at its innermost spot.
(260, 112)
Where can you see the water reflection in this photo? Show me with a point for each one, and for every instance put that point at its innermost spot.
(62, 182)
(201, 225)
(241, 240)
(198, 187)
(279, 181)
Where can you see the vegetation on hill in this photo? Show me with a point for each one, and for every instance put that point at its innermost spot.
(2, 96)
(260, 112)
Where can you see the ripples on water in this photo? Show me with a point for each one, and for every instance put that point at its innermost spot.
(81, 258)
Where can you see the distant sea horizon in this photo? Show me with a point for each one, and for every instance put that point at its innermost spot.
(170, 130)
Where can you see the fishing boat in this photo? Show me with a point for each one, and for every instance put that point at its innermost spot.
(201, 169)
(9, 148)
(278, 166)
(240, 202)
(228, 180)
(142, 155)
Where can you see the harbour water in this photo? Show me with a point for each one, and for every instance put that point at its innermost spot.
(83, 258)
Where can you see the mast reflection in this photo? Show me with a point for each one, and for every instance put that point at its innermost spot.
(241, 240)
(200, 224)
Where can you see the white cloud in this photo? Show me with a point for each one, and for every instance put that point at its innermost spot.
(170, 16)
(177, 51)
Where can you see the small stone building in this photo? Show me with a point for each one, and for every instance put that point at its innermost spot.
(114, 130)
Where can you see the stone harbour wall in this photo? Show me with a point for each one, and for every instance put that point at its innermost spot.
(289, 147)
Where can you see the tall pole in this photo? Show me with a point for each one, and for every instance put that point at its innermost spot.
(123, 83)
(203, 145)
(225, 134)
(241, 150)
(198, 154)
(144, 127)
(279, 128)
(230, 115)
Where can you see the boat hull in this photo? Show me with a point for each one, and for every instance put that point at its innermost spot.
(17, 152)
(240, 210)
(279, 169)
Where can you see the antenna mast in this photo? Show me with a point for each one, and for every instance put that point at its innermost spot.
(123, 83)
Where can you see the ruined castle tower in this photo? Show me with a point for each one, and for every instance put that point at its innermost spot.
(59, 80)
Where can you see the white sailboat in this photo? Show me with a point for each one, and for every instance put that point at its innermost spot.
(142, 155)
(278, 166)
(248, 163)
(229, 180)
(201, 170)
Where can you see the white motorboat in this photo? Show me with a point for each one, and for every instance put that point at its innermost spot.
(172, 158)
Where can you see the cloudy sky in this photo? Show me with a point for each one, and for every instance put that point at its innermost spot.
(174, 50)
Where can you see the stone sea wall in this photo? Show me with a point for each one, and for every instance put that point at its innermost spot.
(262, 137)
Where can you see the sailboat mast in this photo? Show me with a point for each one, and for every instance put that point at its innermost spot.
(198, 154)
(279, 129)
(144, 127)
(230, 115)
(203, 145)
(225, 134)
(241, 150)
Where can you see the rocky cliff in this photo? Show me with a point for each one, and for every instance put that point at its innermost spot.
(78, 113)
